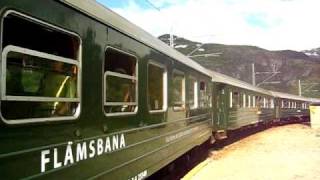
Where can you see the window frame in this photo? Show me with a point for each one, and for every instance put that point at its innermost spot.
(164, 87)
(200, 98)
(230, 99)
(176, 108)
(12, 48)
(119, 75)
(244, 99)
(253, 101)
(195, 87)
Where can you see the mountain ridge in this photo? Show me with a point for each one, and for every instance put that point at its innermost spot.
(236, 61)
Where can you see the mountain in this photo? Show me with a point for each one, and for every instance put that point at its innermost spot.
(313, 53)
(236, 61)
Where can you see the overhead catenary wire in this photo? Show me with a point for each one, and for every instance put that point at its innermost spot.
(171, 39)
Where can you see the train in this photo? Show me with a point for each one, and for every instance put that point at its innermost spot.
(86, 94)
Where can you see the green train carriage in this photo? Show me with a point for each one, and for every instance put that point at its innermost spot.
(86, 94)
(291, 108)
(239, 105)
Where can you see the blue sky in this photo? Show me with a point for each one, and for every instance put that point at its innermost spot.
(270, 24)
(141, 3)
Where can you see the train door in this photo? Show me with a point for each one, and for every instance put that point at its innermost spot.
(177, 109)
(221, 107)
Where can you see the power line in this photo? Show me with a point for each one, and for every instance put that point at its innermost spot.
(271, 74)
(152, 5)
(171, 39)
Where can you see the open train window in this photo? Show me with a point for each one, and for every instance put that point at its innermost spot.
(254, 101)
(209, 95)
(120, 83)
(157, 87)
(299, 105)
(203, 94)
(259, 101)
(244, 100)
(235, 96)
(193, 93)
(230, 99)
(268, 103)
(40, 76)
(178, 90)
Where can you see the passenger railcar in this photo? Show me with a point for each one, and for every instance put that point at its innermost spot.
(85, 94)
(239, 105)
(291, 107)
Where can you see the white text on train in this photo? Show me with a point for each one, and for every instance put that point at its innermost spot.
(80, 151)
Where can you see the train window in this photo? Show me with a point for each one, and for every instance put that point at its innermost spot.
(120, 83)
(178, 90)
(41, 79)
(258, 101)
(50, 39)
(271, 103)
(209, 95)
(244, 100)
(235, 99)
(289, 104)
(230, 99)
(193, 93)
(292, 105)
(203, 94)
(157, 87)
(261, 102)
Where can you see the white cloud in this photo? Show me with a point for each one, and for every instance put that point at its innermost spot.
(270, 24)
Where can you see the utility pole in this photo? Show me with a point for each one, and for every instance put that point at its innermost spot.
(299, 84)
(171, 39)
(253, 75)
(171, 43)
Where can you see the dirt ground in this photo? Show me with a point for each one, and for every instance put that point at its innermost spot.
(281, 153)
